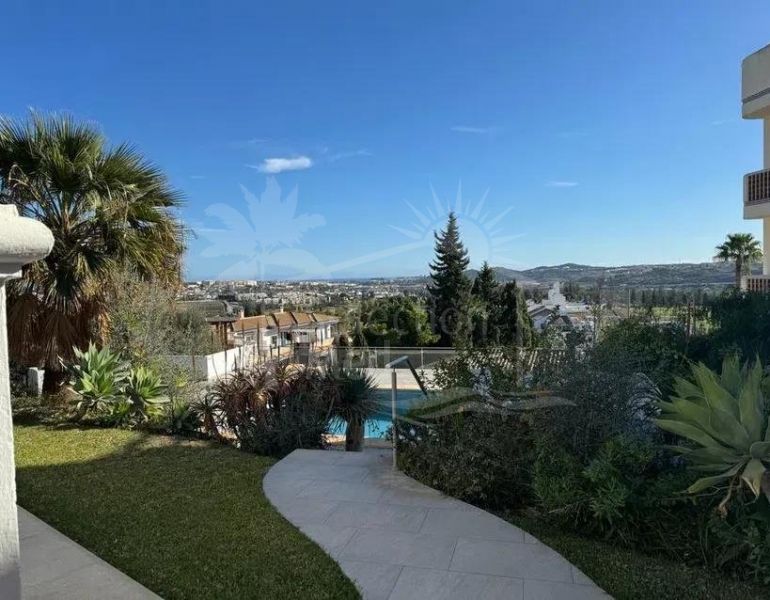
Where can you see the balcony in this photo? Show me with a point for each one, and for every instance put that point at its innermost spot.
(756, 283)
(756, 194)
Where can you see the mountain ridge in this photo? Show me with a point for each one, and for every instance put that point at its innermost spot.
(640, 275)
(661, 274)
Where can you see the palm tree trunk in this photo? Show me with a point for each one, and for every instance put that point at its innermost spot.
(354, 435)
(738, 272)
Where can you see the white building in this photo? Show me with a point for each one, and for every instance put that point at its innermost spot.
(756, 186)
(284, 330)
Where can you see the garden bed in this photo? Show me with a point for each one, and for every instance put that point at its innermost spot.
(626, 574)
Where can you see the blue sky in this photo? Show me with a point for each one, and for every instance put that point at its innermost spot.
(598, 132)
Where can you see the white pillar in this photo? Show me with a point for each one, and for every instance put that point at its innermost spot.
(766, 246)
(766, 220)
(22, 241)
(766, 144)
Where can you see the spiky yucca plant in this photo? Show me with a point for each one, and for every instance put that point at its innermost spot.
(725, 417)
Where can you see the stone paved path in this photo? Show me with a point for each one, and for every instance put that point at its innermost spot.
(400, 540)
(53, 567)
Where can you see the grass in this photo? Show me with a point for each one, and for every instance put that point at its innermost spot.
(186, 518)
(629, 575)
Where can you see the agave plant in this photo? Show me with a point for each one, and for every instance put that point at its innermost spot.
(98, 376)
(725, 417)
(144, 389)
(181, 417)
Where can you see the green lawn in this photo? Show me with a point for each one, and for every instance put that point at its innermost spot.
(629, 575)
(188, 519)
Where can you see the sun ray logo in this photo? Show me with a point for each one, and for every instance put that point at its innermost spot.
(266, 237)
(482, 230)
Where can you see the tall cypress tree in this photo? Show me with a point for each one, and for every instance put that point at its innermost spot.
(485, 292)
(515, 323)
(449, 290)
(485, 284)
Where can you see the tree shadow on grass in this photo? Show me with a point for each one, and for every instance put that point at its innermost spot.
(186, 518)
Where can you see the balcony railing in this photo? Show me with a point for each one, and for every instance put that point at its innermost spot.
(756, 187)
(756, 283)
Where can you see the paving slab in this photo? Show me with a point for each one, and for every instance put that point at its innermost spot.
(398, 539)
(377, 579)
(429, 583)
(400, 548)
(53, 567)
(463, 523)
(492, 557)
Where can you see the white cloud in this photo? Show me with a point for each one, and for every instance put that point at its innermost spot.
(273, 166)
(352, 154)
(561, 184)
(471, 129)
(248, 143)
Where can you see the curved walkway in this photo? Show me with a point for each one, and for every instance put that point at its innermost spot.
(53, 567)
(400, 540)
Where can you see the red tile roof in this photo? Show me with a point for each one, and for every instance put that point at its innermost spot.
(283, 320)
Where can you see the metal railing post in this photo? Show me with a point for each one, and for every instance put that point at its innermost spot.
(393, 397)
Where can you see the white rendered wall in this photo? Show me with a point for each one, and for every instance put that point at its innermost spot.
(755, 84)
(21, 241)
(10, 582)
(766, 219)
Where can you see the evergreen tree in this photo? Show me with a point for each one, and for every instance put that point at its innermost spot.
(515, 324)
(485, 285)
(395, 321)
(449, 290)
(572, 291)
(485, 292)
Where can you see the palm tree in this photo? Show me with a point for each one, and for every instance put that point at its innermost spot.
(742, 249)
(109, 209)
(354, 400)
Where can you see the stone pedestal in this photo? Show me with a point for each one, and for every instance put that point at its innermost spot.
(35, 379)
(22, 241)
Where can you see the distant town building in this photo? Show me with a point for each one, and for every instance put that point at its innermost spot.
(281, 332)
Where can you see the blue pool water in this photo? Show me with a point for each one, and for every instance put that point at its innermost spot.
(378, 427)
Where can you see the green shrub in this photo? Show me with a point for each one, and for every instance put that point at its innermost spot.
(641, 345)
(501, 367)
(626, 493)
(182, 418)
(17, 376)
(478, 457)
(739, 541)
(119, 414)
(208, 414)
(274, 410)
(740, 325)
(612, 387)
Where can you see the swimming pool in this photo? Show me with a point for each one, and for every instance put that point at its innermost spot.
(379, 425)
